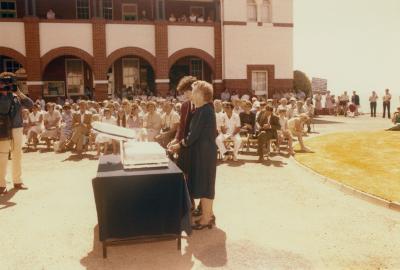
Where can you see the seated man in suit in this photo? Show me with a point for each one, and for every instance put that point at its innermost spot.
(81, 125)
(268, 125)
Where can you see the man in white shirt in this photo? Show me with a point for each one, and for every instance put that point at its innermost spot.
(386, 103)
(229, 130)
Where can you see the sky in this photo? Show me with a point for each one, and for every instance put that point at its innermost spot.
(354, 44)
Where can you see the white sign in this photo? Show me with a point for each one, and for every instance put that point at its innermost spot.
(319, 85)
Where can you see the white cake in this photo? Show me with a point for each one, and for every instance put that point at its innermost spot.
(143, 155)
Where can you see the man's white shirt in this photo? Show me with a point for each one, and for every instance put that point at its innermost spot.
(231, 123)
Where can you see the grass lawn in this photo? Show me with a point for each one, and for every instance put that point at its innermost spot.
(367, 161)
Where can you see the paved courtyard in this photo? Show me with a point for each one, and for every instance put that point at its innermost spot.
(271, 216)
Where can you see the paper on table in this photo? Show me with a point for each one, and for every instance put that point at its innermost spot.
(114, 132)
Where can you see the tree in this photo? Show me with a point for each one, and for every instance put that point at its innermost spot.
(302, 83)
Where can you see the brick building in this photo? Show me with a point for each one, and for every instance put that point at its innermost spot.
(69, 47)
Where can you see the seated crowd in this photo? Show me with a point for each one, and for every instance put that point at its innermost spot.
(240, 122)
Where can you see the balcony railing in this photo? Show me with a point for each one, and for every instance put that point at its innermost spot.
(114, 11)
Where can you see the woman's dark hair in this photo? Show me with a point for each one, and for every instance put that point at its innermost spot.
(269, 108)
(185, 84)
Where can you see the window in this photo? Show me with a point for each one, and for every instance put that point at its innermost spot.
(82, 9)
(10, 65)
(251, 11)
(54, 88)
(196, 68)
(74, 70)
(108, 9)
(129, 12)
(259, 83)
(198, 11)
(8, 9)
(266, 11)
(130, 72)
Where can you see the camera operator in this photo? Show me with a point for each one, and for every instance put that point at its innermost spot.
(12, 101)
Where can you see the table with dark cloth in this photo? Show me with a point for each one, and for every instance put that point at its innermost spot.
(140, 204)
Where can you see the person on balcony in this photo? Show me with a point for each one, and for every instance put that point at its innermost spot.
(183, 18)
(193, 18)
(200, 19)
(51, 15)
(172, 18)
(143, 17)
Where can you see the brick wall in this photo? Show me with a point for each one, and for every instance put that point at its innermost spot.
(162, 68)
(219, 86)
(100, 58)
(33, 65)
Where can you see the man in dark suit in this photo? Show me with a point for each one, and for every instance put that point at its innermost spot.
(268, 126)
(355, 99)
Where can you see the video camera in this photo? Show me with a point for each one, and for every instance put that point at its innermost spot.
(9, 82)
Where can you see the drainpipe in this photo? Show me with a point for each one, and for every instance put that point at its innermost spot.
(26, 8)
(33, 7)
(94, 13)
(222, 18)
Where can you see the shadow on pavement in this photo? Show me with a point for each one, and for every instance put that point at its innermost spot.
(77, 157)
(207, 246)
(5, 199)
(325, 122)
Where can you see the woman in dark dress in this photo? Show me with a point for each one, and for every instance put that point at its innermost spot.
(202, 151)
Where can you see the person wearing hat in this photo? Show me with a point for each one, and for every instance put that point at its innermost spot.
(11, 95)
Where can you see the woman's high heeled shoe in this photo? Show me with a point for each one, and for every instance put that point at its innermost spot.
(198, 226)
